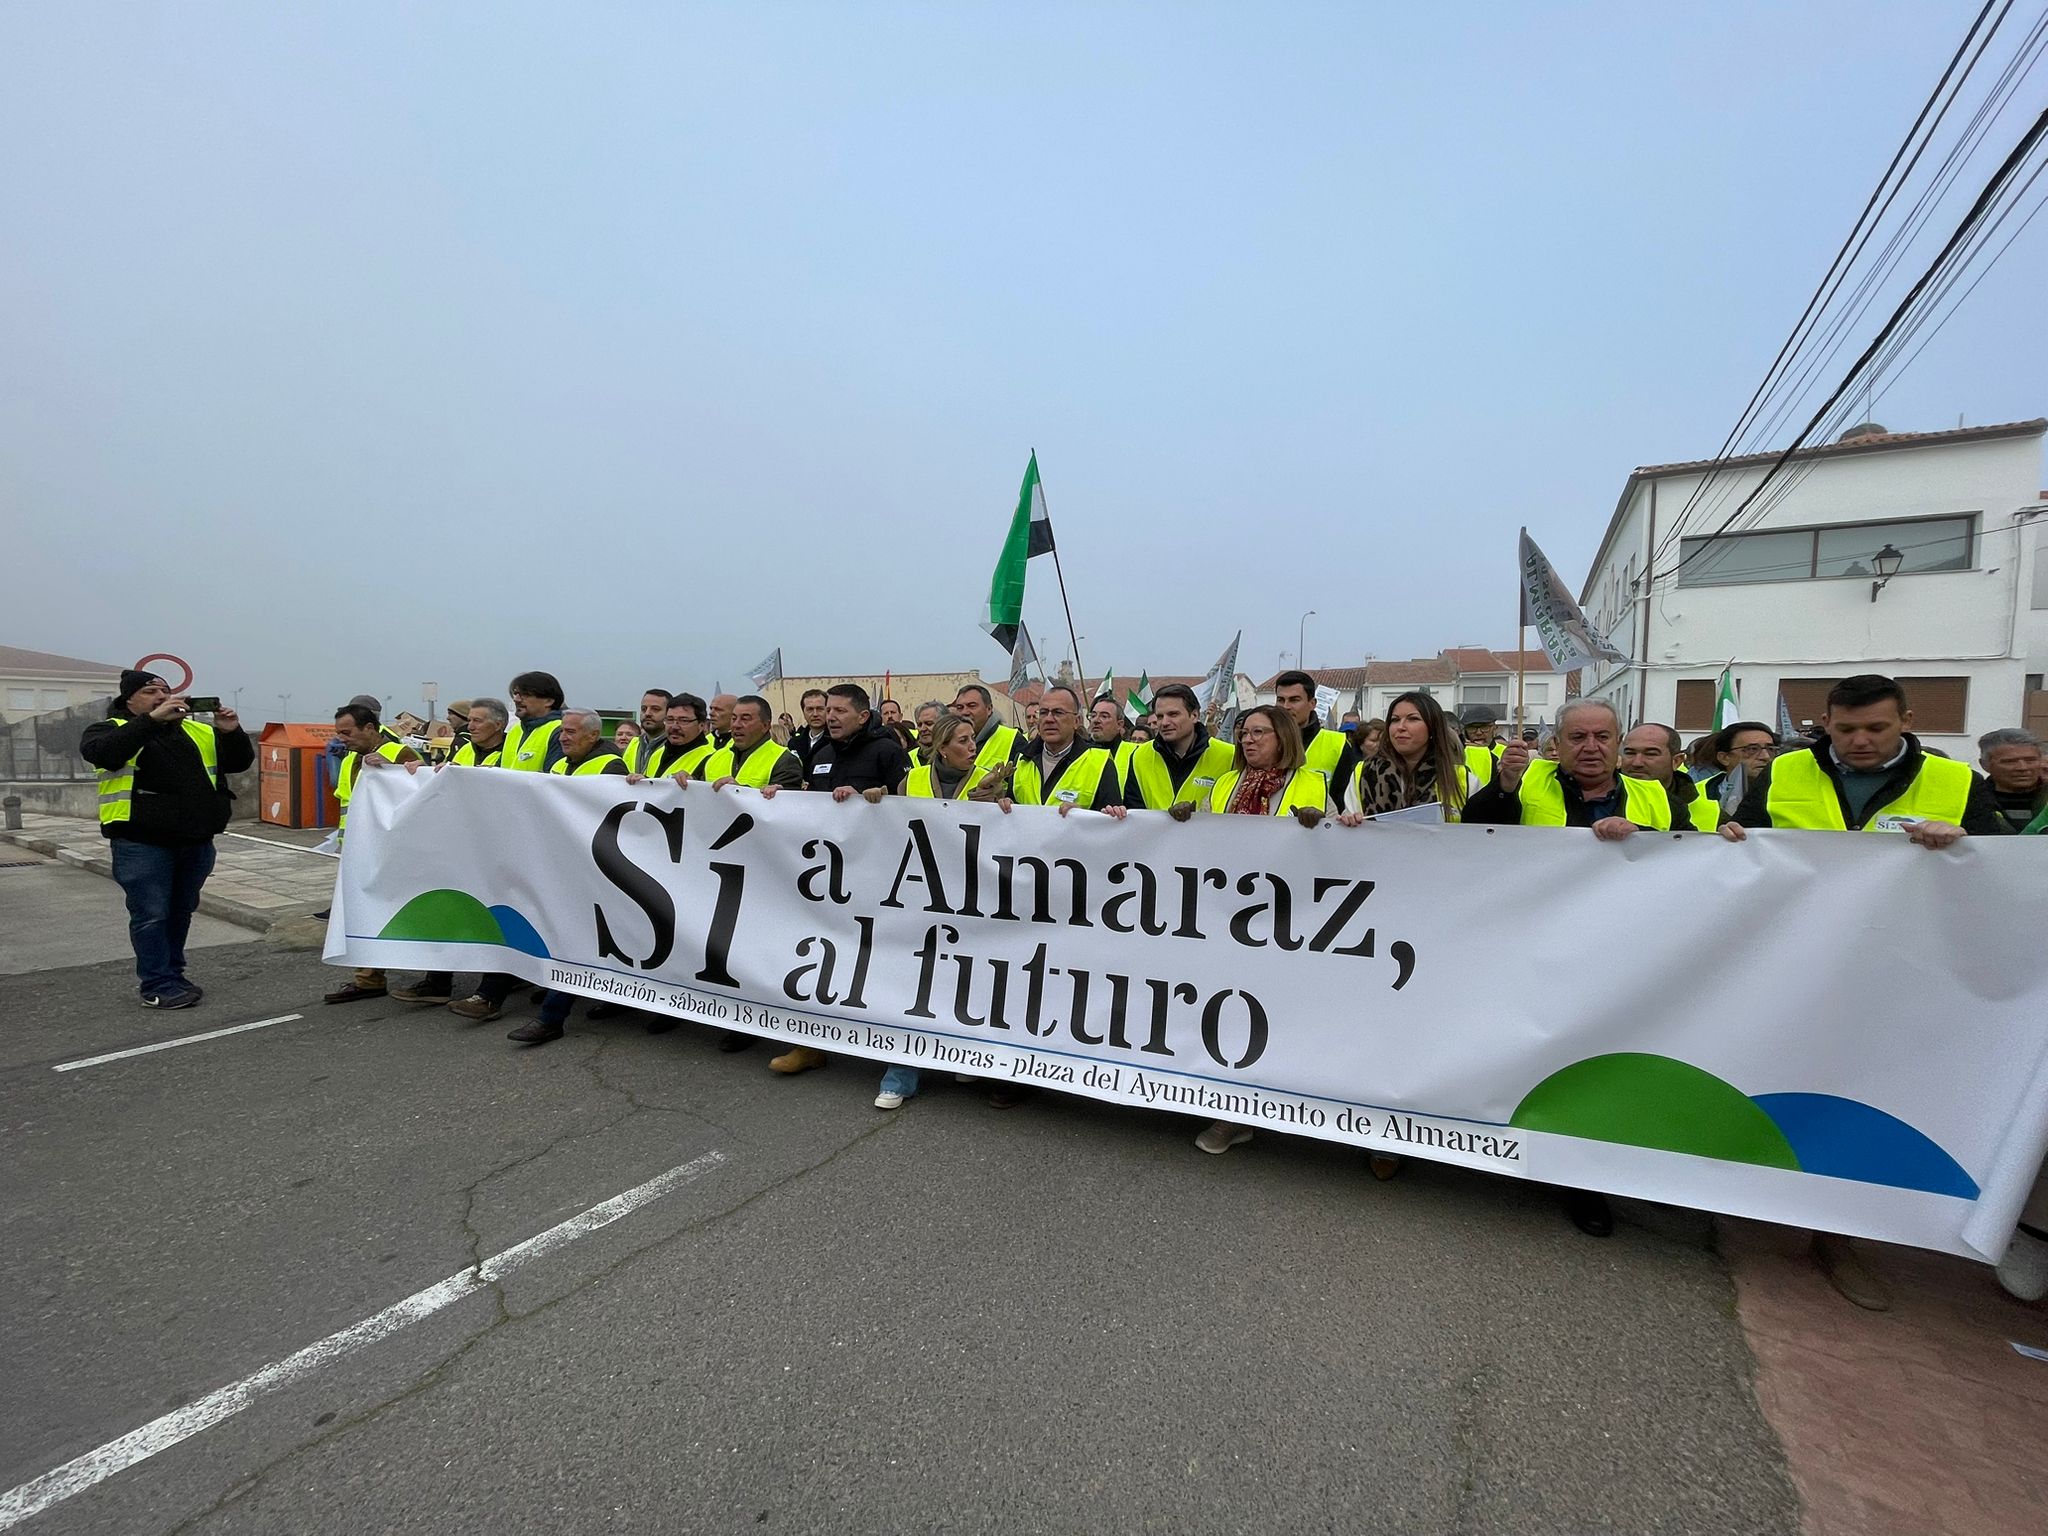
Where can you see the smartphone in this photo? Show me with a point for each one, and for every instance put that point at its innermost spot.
(203, 703)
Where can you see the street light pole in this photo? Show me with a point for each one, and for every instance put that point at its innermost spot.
(1300, 634)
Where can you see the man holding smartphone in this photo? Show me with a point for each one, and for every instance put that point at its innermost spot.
(163, 797)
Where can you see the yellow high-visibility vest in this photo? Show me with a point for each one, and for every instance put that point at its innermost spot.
(597, 762)
(117, 785)
(923, 782)
(755, 772)
(1309, 789)
(527, 750)
(345, 780)
(1644, 801)
(1082, 781)
(466, 756)
(1802, 795)
(1155, 782)
(685, 762)
(1322, 753)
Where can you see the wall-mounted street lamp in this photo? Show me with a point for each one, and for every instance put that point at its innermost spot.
(1886, 563)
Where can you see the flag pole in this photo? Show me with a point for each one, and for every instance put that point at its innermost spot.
(1079, 670)
(1521, 641)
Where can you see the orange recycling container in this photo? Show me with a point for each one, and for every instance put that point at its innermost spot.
(295, 775)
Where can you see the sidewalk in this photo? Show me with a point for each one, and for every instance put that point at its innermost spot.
(1920, 1421)
(262, 875)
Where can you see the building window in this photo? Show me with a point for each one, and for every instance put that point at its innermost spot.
(56, 698)
(1842, 549)
(1538, 693)
(1480, 693)
(1940, 705)
(1694, 710)
(21, 700)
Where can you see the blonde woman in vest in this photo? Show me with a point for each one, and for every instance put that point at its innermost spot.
(952, 773)
(1266, 778)
(1419, 761)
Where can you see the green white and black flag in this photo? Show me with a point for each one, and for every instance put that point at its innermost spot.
(1106, 689)
(1138, 702)
(1030, 534)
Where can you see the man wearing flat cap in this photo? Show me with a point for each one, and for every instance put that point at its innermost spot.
(163, 797)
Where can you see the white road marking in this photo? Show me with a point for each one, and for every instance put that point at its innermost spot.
(95, 1466)
(165, 1045)
(271, 842)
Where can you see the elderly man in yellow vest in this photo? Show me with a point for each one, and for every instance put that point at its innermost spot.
(162, 800)
(1580, 788)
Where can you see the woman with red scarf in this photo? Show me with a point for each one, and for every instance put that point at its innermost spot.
(1266, 778)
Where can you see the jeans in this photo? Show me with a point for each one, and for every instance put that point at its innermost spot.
(554, 1008)
(901, 1080)
(162, 885)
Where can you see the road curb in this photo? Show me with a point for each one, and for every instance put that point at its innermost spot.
(258, 919)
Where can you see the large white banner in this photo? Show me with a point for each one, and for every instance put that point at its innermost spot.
(1841, 1032)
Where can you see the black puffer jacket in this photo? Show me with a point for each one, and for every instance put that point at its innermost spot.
(872, 759)
(174, 805)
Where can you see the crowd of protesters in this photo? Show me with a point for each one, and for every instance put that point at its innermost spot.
(163, 798)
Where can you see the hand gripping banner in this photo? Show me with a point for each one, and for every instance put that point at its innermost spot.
(1837, 1031)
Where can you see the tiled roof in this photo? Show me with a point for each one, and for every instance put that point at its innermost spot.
(1538, 660)
(1407, 674)
(16, 662)
(1474, 659)
(1326, 677)
(2039, 424)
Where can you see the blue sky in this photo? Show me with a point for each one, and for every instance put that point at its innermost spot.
(350, 346)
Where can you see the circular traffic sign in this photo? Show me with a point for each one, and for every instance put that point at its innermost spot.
(183, 666)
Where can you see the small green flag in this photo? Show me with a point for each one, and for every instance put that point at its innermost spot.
(1107, 688)
(1138, 701)
(1727, 708)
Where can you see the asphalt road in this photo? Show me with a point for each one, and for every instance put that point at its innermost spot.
(1057, 1318)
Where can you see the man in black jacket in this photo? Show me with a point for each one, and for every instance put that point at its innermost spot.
(861, 756)
(163, 798)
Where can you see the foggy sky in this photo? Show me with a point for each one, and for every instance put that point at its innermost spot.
(350, 346)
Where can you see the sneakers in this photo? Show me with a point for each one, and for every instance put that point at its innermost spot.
(171, 997)
(477, 1007)
(1848, 1274)
(419, 994)
(1222, 1136)
(2024, 1269)
(798, 1058)
(888, 1101)
(353, 994)
(534, 1032)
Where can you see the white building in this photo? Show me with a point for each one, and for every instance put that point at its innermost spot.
(36, 682)
(1796, 598)
(1462, 675)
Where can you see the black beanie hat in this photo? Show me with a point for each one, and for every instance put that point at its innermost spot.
(133, 682)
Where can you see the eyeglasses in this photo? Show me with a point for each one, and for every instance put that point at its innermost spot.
(1256, 730)
(1760, 749)
(1056, 714)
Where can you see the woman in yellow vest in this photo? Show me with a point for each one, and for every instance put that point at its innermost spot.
(1419, 761)
(952, 774)
(1266, 778)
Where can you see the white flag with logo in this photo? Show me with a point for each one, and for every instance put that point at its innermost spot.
(1568, 640)
(768, 671)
